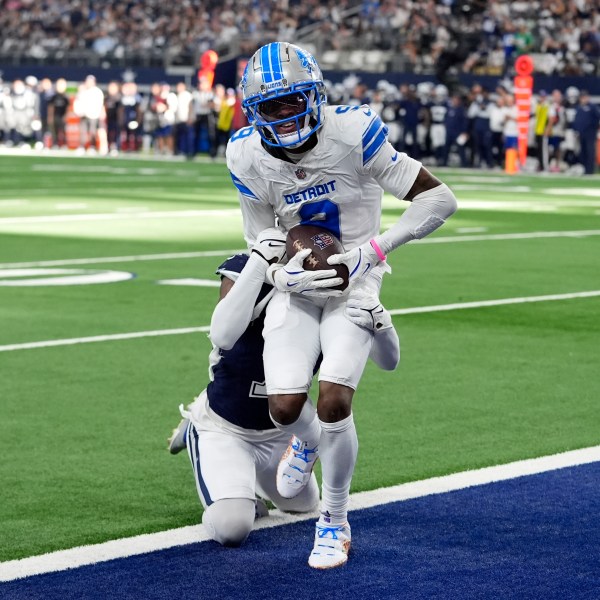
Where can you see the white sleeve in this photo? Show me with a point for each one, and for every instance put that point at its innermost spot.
(394, 171)
(385, 352)
(257, 216)
(233, 313)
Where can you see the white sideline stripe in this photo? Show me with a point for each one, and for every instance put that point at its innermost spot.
(88, 555)
(499, 302)
(103, 338)
(171, 214)
(176, 255)
(205, 328)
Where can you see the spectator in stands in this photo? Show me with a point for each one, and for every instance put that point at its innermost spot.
(479, 117)
(497, 118)
(510, 130)
(58, 105)
(112, 104)
(587, 120)
(556, 130)
(409, 108)
(541, 114)
(24, 110)
(205, 130)
(571, 147)
(224, 120)
(416, 35)
(184, 117)
(150, 117)
(456, 130)
(5, 113)
(89, 107)
(166, 105)
(438, 110)
(130, 115)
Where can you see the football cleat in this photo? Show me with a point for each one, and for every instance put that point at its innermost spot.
(332, 544)
(295, 468)
(178, 440)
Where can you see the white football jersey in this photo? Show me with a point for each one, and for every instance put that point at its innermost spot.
(337, 185)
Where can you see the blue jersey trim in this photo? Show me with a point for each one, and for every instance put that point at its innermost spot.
(373, 139)
(242, 188)
(197, 469)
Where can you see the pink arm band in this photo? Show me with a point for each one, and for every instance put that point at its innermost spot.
(377, 249)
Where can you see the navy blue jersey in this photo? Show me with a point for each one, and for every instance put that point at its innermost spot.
(237, 392)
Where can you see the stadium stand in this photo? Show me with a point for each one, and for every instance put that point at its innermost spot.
(400, 49)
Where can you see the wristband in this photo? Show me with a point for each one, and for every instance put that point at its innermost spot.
(377, 249)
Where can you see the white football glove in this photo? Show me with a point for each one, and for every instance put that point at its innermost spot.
(359, 260)
(293, 278)
(270, 245)
(363, 308)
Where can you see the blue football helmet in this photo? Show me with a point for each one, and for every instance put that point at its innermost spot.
(283, 94)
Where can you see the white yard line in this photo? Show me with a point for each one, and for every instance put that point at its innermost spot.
(205, 328)
(103, 338)
(492, 237)
(88, 555)
(119, 216)
(499, 302)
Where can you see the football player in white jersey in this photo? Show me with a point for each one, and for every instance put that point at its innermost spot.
(301, 161)
(233, 446)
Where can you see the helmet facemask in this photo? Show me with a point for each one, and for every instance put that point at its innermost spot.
(283, 95)
(287, 120)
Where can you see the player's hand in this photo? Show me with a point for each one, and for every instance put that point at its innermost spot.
(363, 308)
(270, 245)
(359, 260)
(294, 278)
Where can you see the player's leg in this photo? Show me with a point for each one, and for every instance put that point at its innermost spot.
(225, 476)
(291, 351)
(292, 348)
(346, 348)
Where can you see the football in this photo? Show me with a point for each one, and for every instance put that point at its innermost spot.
(322, 244)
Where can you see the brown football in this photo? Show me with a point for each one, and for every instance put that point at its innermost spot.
(322, 244)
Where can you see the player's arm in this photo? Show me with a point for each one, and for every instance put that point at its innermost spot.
(234, 312)
(431, 201)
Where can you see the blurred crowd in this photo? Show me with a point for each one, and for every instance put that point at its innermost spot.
(423, 36)
(441, 127)
(120, 117)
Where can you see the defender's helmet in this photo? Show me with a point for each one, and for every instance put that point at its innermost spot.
(283, 94)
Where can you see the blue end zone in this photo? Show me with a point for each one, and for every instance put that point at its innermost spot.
(535, 537)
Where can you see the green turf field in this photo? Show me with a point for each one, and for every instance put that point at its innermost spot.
(84, 426)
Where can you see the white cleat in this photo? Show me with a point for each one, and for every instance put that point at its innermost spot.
(295, 468)
(178, 440)
(332, 544)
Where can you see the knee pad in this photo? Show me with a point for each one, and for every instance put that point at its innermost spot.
(230, 521)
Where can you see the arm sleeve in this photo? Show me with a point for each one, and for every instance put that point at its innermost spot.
(233, 313)
(257, 216)
(385, 352)
(427, 211)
